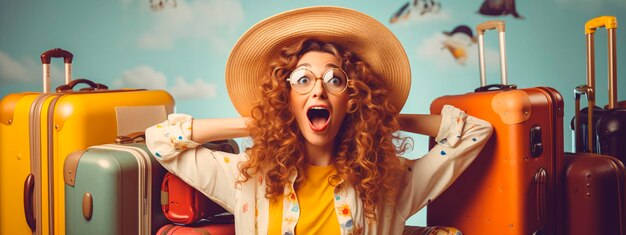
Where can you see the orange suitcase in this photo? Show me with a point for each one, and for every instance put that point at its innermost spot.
(511, 187)
(38, 130)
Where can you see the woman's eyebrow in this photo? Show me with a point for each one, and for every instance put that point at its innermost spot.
(330, 65)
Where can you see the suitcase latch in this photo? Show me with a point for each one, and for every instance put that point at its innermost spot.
(536, 148)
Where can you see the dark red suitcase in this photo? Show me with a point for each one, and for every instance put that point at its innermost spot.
(511, 187)
(594, 194)
(608, 124)
(183, 204)
(595, 200)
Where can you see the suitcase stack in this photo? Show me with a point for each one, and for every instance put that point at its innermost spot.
(511, 186)
(595, 182)
(113, 189)
(38, 130)
(190, 211)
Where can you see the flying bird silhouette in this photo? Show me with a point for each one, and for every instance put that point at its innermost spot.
(499, 8)
(419, 7)
(457, 42)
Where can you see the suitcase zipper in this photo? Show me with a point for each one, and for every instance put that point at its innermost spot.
(36, 157)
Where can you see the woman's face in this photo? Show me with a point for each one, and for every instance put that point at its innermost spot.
(319, 113)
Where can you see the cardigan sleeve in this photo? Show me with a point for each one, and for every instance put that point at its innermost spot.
(460, 139)
(214, 173)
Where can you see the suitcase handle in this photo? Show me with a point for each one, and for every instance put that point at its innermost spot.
(70, 86)
(87, 206)
(165, 185)
(45, 60)
(588, 91)
(165, 201)
(29, 186)
(541, 179)
(496, 86)
(130, 138)
(480, 29)
(228, 145)
(610, 23)
(56, 53)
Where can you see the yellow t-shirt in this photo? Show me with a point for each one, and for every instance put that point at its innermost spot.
(317, 207)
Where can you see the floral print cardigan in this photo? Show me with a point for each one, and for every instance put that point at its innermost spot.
(460, 139)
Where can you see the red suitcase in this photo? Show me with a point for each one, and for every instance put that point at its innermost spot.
(213, 229)
(183, 204)
(511, 186)
(594, 194)
(594, 185)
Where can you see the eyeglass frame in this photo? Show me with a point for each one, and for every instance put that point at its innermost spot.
(288, 80)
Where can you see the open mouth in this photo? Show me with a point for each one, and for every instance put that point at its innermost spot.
(318, 118)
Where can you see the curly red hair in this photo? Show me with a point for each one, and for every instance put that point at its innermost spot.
(366, 156)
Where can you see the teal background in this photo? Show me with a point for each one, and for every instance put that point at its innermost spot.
(183, 49)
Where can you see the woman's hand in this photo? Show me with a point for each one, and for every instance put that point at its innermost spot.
(424, 124)
(205, 130)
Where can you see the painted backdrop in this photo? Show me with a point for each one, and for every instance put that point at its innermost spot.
(182, 46)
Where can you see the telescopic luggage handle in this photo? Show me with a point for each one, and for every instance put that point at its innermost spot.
(578, 92)
(45, 60)
(610, 23)
(480, 29)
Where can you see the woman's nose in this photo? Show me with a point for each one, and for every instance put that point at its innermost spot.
(318, 89)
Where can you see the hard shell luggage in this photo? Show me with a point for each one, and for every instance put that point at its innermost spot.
(183, 204)
(213, 229)
(511, 186)
(594, 194)
(113, 189)
(38, 130)
(594, 184)
(608, 124)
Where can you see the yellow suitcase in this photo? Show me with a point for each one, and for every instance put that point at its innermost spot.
(38, 130)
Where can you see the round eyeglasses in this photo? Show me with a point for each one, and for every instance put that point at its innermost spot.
(303, 80)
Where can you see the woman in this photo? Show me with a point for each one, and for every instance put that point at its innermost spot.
(327, 85)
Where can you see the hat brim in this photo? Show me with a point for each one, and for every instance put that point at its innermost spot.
(347, 28)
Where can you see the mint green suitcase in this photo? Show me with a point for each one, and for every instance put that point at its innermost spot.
(113, 189)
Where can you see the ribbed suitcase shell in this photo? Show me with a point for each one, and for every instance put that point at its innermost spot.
(213, 229)
(37, 132)
(115, 189)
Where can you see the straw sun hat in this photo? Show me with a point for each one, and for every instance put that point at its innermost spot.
(350, 29)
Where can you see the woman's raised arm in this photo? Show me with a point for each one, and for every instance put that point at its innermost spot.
(174, 143)
(205, 130)
(425, 124)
